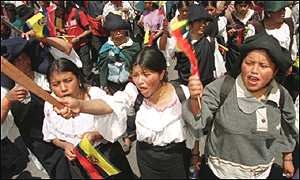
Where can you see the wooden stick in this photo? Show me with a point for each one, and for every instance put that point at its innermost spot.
(223, 47)
(18, 76)
(11, 25)
(199, 102)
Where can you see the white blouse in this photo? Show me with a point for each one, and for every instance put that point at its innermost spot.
(9, 121)
(71, 130)
(155, 126)
(282, 34)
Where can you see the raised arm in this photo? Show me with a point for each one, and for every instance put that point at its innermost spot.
(196, 91)
(75, 106)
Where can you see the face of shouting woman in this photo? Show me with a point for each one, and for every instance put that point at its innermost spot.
(65, 84)
(257, 71)
(147, 81)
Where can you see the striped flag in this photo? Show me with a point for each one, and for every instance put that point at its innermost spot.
(93, 161)
(184, 45)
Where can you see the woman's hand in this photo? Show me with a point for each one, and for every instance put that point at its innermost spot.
(92, 136)
(72, 107)
(29, 34)
(288, 168)
(18, 93)
(195, 87)
(69, 153)
(196, 161)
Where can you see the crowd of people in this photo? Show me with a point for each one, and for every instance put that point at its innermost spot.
(107, 63)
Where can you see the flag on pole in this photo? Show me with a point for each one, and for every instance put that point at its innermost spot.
(184, 45)
(37, 23)
(93, 161)
(51, 20)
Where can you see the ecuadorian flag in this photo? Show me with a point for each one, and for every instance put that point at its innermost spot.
(93, 161)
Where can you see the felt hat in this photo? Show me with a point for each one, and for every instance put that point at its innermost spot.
(198, 12)
(279, 55)
(113, 22)
(273, 6)
(13, 47)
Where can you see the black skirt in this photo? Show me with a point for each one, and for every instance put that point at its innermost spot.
(163, 162)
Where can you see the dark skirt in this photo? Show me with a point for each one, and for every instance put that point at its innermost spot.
(13, 160)
(163, 162)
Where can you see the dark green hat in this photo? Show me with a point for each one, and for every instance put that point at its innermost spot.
(273, 6)
(279, 55)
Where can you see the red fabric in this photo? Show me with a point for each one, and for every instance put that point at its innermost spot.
(90, 169)
(96, 27)
(75, 28)
(187, 49)
(72, 26)
(51, 20)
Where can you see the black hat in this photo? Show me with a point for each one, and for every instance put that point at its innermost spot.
(113, 22)
(279, 55)
(198, 12)
(13, 47)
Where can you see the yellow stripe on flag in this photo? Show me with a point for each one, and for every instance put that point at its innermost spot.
(178, 25)
(147, 37)
(37, 23)
(89, 149)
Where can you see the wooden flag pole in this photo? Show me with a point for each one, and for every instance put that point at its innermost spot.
(19, 77)
(11, 25)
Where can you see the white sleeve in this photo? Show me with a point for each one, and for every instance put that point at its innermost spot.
(113, 126)
(250, 31)
(48, 131)
(8, 122)
(73, 56)
(297, 113)
(222, 22)
(185, 91)
(294, 49)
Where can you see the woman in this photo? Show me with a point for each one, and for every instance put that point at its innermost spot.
(253, 122)
(66, 81)
(162, 136)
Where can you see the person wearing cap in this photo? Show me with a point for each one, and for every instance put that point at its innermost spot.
(238, 21)
(275, 24)
(116, 55)
(27, 108)
(255, 121)
(198, 19)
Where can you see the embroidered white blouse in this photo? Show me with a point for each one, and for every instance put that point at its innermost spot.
(110, 126)
(157, 126)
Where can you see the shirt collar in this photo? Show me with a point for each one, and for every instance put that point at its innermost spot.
(248, 103)
(126, 44)
(247, 16)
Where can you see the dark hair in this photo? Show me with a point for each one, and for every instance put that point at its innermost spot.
(209, 3)
(152, 59)
(65, 65)
(11, 8)
(182, 4)
(242, 2)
